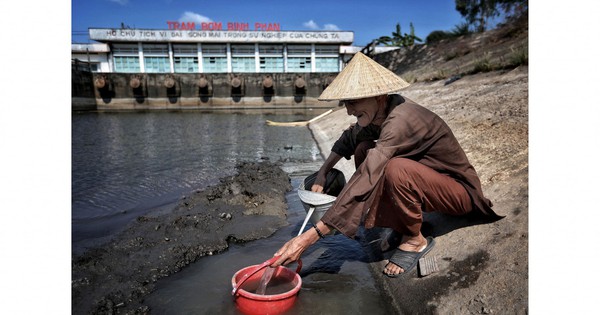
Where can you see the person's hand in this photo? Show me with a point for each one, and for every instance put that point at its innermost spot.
(319, 184)
(293, 249)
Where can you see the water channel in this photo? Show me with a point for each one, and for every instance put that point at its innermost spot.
(125, 164)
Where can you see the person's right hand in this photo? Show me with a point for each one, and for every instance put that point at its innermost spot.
(319, 184)
(293, 249)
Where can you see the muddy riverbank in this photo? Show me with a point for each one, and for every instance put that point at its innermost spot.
(115, 277)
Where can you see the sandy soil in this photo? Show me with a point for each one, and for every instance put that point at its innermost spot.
(483, 264)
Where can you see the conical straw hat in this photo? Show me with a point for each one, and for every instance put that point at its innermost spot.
(362, 77)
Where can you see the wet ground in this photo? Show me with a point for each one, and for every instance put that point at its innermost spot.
(116, 277)
(182, 262)
(335, 276)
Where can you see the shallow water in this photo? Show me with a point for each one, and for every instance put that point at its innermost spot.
(335, 276)
(128, 164)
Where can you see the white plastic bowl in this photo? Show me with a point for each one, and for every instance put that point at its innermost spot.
(321, 203)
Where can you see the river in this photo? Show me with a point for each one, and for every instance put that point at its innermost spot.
(127, 164)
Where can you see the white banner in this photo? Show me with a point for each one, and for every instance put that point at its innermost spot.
(199, 36)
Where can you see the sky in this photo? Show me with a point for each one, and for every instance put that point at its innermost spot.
(367, 19)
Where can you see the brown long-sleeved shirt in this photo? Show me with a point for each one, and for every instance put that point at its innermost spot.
(410, 131)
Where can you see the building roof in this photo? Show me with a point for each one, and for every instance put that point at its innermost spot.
(92, 48)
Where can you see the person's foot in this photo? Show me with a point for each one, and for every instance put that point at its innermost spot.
(391, 241)
(410, 244)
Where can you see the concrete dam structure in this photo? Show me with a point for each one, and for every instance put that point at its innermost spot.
(221, 66)
(283, 92)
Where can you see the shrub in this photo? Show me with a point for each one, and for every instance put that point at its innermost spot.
(518, 56)
(410, 78)
(442, 74)
(461, 29)
(436, 36)
(450, 55)
(483, 64)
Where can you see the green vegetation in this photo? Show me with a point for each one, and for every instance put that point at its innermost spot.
(478, 12)
(410, 78)
(437, 36)
(519, 56)
(483, 64)
(459, 30)
(397, 39)
(453, 52)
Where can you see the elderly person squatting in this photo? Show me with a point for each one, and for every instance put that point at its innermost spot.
(407, 161)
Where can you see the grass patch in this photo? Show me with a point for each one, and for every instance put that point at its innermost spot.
(410, 78)
(519, 56)
(483, 64)
(451, 55)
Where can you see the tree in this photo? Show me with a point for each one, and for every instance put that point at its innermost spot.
(478, 12)
(514, 8)
(397, 39)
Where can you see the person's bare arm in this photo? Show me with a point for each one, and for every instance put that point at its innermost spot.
(293, 249)
(331, 161)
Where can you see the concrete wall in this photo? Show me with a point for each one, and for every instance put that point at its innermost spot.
(223, 91)
(101, 60)
(82, 90)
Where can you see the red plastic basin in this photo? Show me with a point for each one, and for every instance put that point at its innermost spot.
(271, 303)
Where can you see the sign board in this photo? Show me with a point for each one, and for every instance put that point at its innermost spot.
(208, 36)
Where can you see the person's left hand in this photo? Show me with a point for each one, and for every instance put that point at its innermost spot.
(319, 184)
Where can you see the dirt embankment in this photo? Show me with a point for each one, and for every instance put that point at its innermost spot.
(114, 278)
(483, 264)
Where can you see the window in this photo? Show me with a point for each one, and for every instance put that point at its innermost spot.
(299, 64)
(185, 49)
(157, 64)
(214, 64)
(271, 64)
(242, 50)
(298, 49)
(243, 64)
(328, 64)
(214, 49)
(126, 64)
(185, 64)
(94, 67)
(125, 49)
(326, 50)
(270, 49)
(156, 49)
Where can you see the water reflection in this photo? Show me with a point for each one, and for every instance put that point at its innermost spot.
(126, 164)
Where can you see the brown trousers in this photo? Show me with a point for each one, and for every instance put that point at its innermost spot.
(411, 188)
